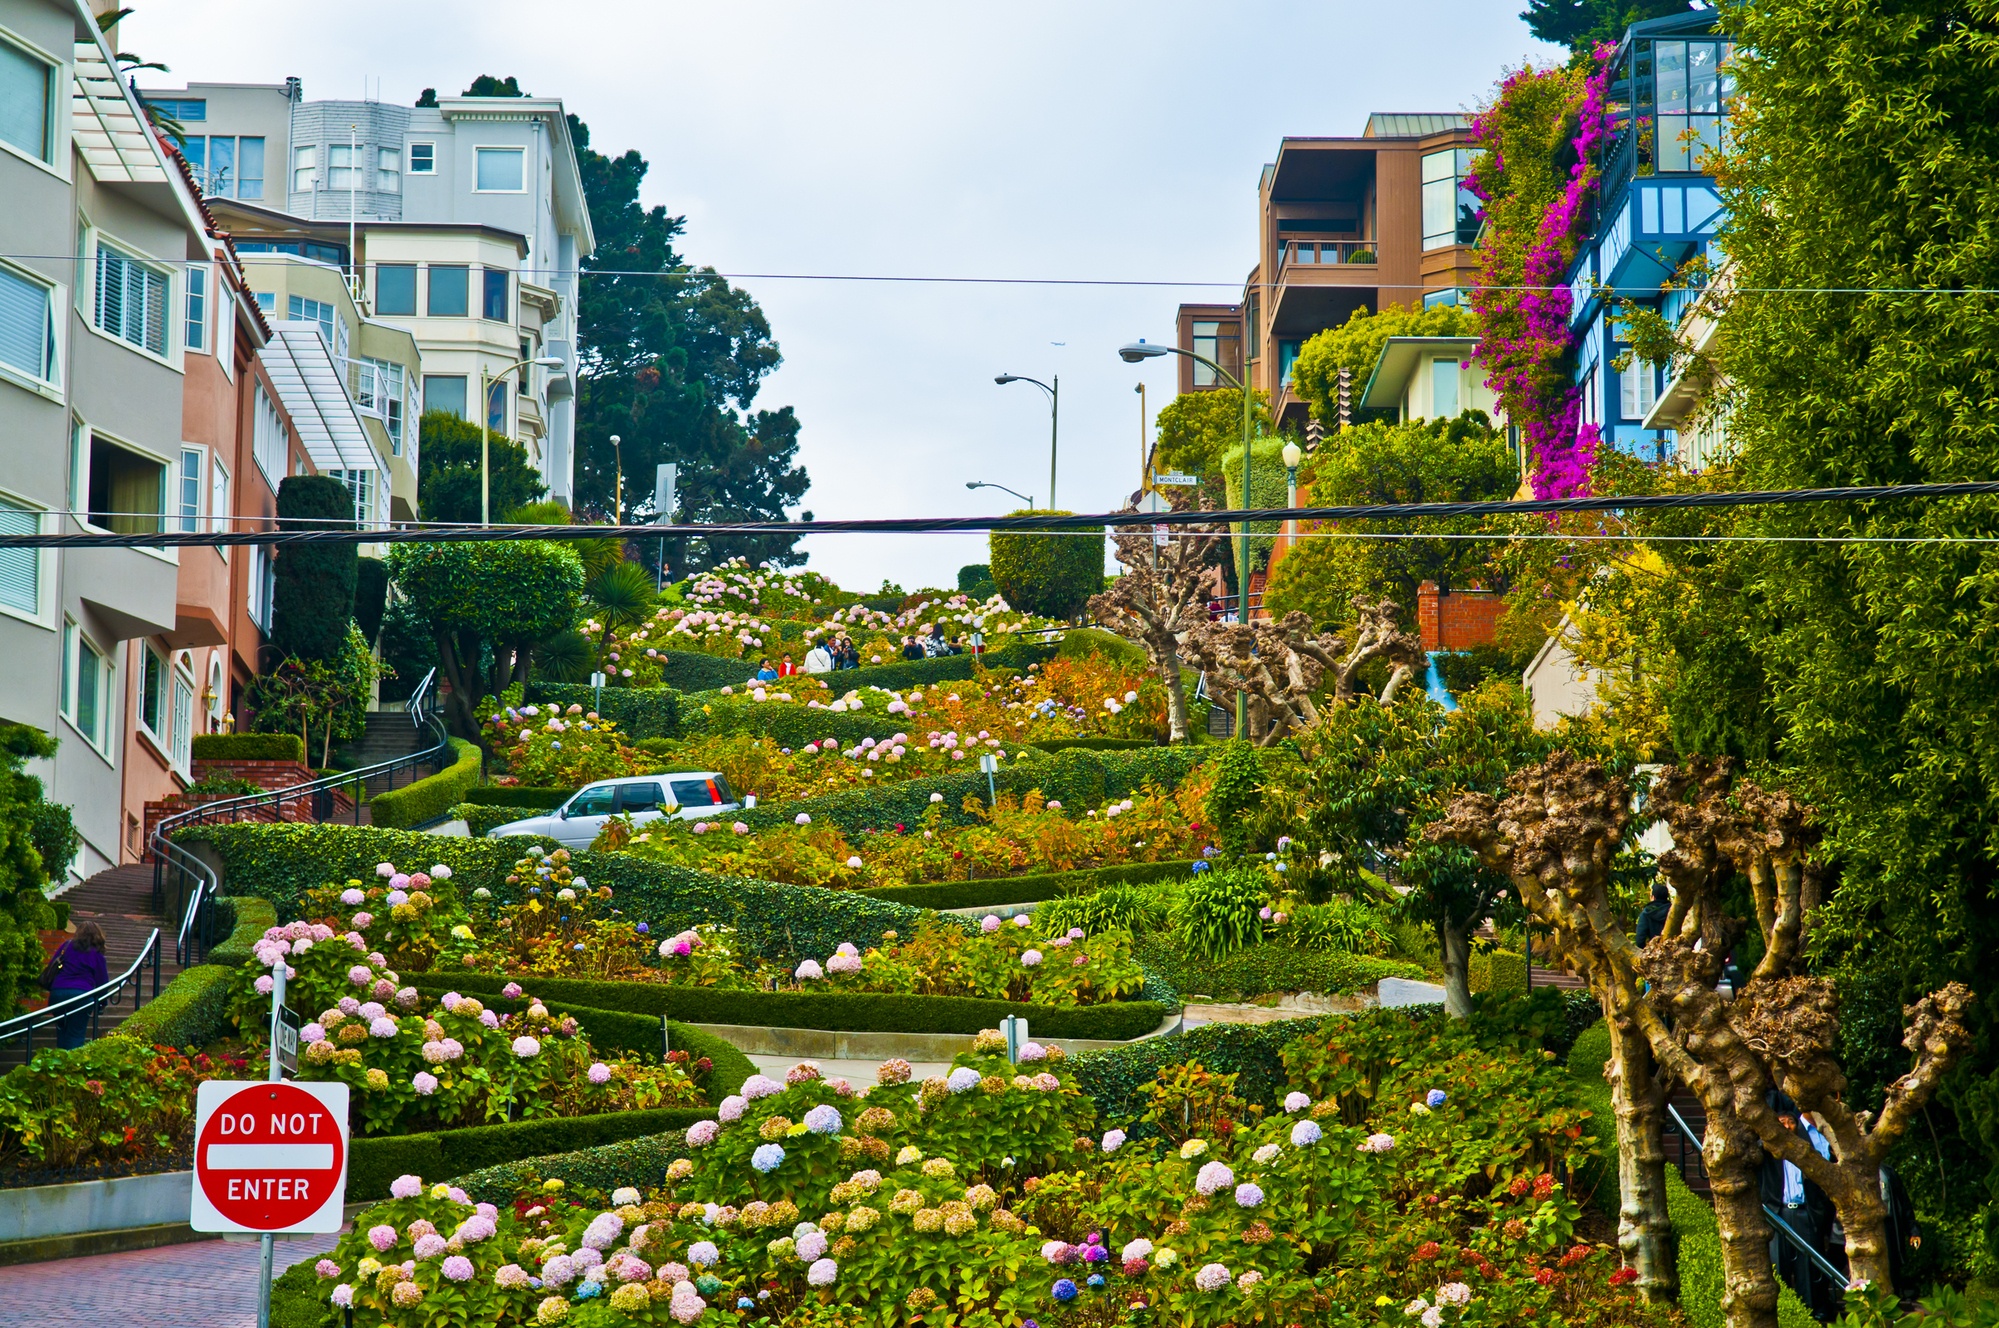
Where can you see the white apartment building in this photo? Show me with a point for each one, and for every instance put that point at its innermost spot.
(462, 223)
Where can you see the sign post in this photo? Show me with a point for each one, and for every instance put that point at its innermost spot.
(989, 763)
(271, 1157)
(1177, 480)
(597, 683)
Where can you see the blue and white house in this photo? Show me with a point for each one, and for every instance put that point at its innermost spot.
(1668, 106)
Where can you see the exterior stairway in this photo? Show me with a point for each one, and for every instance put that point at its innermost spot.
(120, 900)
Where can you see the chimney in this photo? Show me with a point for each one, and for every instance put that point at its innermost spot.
(1429, 616)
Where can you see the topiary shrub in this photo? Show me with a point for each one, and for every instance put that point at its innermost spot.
(189, 1013)
(55, 836)
(1051, 574)
(1237, 792)
(249, 747)
(639, 712)
(247, 918)
(313, 596)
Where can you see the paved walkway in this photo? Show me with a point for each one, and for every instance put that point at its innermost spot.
(861, 1074)
(207, 1284)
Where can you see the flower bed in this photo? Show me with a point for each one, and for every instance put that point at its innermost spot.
(988, 1196)
(1016, 836)
(997, 891)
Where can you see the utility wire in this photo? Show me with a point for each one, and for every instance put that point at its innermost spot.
(1080, 523)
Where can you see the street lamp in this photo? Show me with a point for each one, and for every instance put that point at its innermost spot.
(1137, 353)
(486, 379)
(618, 492)
(981, 484)
(1054, 422)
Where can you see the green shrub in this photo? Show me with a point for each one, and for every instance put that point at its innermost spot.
(431, 798)
(1464, 670)
(1343, 925)
(248, 747)
(1498, 970)
(642, 1161)
(1237, 793)
(715, 715)
(502, 795)
(1074, 777)
(312, 596)
(1084, 641)
(247, 918)
(1050, 574)
(993, 892)
(1218, 912)
(852, 1012)
(639, 712)
(190, 1012)
(482, 821)
(777, 922)
(1262, 969)
(1093, 744)
(55, 836)
(1132, 907)
(638, 1033)
(373, 1164)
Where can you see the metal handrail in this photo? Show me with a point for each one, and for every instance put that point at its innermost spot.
(198, 910)
(1775, 1219)
(93, 1000)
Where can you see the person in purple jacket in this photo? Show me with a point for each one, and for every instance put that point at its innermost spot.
(79, 968)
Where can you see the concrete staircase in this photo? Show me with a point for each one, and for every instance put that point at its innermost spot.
(120, 900)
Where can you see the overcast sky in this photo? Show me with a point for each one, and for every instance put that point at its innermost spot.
(1078, 140)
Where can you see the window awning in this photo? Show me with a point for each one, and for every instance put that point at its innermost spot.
(114, 142)
(315, 396)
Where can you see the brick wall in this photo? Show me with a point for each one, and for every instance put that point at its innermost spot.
(265, 775)
(1456, 619)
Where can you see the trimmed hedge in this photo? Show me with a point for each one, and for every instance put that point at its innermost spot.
(628, 1031)
(1271, 966)
(778, 922)
(1077, 778)
(190, 1011)
(1093, 744)
(1085, 641)
(516, 795)
(639, 712)
(431, 798)
(850, 1012)
(482, 821)
(641, 1161)
(373, 1164)
(1498, 970)
(993, 891)
(248, 918)
(715, 715)
(248, 747)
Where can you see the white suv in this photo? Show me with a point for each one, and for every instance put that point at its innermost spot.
(689, 795)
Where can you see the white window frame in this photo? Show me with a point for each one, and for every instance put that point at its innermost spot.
(180, 687)
(388, 170)
(76, 647)
(262, 583)
(43, 614)
(52, 338)
(173, 310)
(157, 733)
(57, 110)
(270, 440)
(1637, 389)
(411, 168)
(182, 520)
(305, 159)
(219, 513)
(194, 325)
(333, 168)
(520, 152)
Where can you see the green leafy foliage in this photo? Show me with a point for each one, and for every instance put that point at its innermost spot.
(56, 838)
(249, 747)
(23, 908)
(448, 464)
(639, 712)
(1355, 346)
(1237, 792)
(313, 599)
(1218, 911)
(431, 797)
(1196, 428)
(190, 1012)
(246, 920)
(374, 1163)
(1072, 890)
(1275, 965)
(1269, 487)
(371, 597)
(1050, 574)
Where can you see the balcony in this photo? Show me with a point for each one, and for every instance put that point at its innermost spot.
(1328, 253)
(561, 383)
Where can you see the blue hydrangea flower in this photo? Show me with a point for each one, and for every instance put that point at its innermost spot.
(1065, 1290)
(1096, 1280)
(1435, 1097)
(767, 1158)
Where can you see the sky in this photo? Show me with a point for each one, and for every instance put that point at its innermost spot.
(1080, 140)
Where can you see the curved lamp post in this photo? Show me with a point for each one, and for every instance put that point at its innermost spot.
(486, 381)
(1137, 353)
(981, 484)
(1054, 422)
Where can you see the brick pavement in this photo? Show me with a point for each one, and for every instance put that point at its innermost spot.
(208, 1284)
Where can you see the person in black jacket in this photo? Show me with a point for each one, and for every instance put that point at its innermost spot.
(1652, 918)
(1806, 1210)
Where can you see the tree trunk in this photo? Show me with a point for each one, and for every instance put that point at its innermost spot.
(1455, 942)
(1864, 1217)
(458, 706)
(1749, 1289)
(1176, 696)
(1644, 1227)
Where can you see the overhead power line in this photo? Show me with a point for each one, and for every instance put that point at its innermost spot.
(425, 534)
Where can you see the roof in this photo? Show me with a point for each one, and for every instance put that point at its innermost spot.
(110, 130)
(570, 204)
(1397, 362)
(1391, 124)
(301, 367)
(253, 221)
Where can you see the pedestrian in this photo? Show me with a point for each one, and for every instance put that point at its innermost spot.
(849, 656)
(819, 659)
(765, 672)
(910, 648)
(934, 644)
(1806, 1211)
(787, 669)
(76, 967)
(1652, 918)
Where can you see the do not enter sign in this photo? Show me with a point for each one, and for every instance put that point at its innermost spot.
(269, 1156)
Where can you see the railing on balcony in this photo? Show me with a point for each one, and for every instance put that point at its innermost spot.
(1326, 253)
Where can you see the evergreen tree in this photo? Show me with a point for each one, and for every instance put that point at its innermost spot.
(312, 599)
(448, 483)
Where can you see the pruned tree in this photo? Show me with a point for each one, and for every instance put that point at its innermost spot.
(1555, 835)
(1283, 665)
(1162, 595)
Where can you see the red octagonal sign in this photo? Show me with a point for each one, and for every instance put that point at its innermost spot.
(269, 1156)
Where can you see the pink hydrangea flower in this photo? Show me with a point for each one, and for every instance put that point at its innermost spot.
(702, 1133)
(600, 1073)
(1212, 1277)
(382, 1237)
(424, 1082)
(326, 1268)
(406, 1187)
(428, 1247)
(512, 991)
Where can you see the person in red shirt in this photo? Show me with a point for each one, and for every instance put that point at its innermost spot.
(787, 669)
